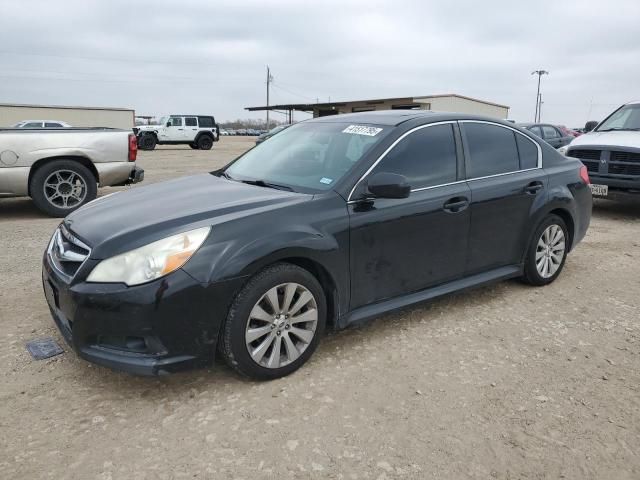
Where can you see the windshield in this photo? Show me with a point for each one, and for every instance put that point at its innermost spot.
(308, 157)
(625, 118)
(163, 120)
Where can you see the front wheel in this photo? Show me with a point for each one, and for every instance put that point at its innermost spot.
(547, 252)
(275, 322)
(61, 186)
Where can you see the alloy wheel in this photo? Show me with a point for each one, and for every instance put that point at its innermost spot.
(281, 325)
(550, 251)
(65, 189)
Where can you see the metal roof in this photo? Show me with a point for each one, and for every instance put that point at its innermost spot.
(307, 107)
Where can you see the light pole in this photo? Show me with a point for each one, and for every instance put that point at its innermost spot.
(536, 116)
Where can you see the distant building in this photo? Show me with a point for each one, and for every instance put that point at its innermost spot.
(437, 103)
(75, 116)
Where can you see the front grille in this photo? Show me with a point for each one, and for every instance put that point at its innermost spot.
(584, 154)
(624, 169)
(591, 166)
(66, 252)
(625, 157)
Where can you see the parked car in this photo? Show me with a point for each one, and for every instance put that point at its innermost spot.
(61, 168)
(331, 222)
(553, 135)
(224, 132)
(270, 133)
(197, 131)
(568, 132)
(241, 131)
(41, 124)
(231, 131)
(611, 152)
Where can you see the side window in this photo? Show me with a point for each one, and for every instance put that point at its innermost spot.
(33, 125)
(492, 150)
(550, 132)
(52, 125)
(191, 122)
(536, 131)
(427, 157)
(175, 121)
(528, 152)
(206, 122)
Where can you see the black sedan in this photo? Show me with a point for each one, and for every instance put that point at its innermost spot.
(333, 221)
(552, 134)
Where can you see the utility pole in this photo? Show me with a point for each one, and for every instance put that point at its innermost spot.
(536, 116)
(269, 80)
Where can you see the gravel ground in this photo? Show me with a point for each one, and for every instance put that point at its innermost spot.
(504, 382)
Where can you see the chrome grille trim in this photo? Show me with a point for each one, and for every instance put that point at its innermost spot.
(67, 253)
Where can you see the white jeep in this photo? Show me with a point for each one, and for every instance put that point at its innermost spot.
(197, 131)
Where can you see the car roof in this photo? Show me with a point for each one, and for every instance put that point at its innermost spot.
(396, 117)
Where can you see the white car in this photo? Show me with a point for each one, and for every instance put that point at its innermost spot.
(611, 153)
(197, 131)
(41, 124)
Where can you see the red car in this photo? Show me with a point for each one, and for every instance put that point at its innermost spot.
(568, 132)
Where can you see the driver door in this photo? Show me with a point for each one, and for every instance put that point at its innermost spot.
(400, 246)
(174, 130)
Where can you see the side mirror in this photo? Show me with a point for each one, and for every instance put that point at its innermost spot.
(388, 185)
(590, 125)
(168, 124)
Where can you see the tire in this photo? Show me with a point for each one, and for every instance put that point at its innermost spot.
(205, 142)
(273, 330)
(550, 244)
(194, 146)
(62, 186)
(147, 142)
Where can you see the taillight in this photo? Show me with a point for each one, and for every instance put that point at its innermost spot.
(584, 175)
(133, 147)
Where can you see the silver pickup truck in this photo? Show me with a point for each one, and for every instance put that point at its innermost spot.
(61, 169)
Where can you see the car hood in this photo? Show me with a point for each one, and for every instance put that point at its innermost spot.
(129, 219)
(608, 139)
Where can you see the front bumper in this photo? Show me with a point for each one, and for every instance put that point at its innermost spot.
(157, 328)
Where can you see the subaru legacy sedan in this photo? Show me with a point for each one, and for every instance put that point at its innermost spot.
(331, 222)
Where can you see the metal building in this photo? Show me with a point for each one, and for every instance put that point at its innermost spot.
(75, 116)
(438, 103)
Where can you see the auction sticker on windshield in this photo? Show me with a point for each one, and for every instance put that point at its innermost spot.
(362, 130)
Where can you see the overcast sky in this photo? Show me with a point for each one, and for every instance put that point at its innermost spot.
(186, 56)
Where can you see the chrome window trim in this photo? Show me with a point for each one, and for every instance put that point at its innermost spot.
(420, 127)
(384, 154)
(516, 131)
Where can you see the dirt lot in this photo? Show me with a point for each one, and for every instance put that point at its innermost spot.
(504, 382)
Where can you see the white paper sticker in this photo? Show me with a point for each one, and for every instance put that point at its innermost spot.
(326, 181)
(362, 130)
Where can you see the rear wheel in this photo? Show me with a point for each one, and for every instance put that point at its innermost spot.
(275, 323)
(147, 142)
(547, 252)
(60, 187)
(205, 142)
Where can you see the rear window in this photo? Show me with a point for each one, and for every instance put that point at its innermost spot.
(206, 122)
(528, 152)
(191, 122)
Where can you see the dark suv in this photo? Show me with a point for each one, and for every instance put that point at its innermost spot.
(332, 221)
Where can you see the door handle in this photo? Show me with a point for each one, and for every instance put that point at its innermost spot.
(181, 129)
(456, 204)
(533, 188)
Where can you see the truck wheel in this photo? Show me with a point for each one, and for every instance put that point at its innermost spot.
(194, 146)
(147, 142)
(205, 142)
(60, 187)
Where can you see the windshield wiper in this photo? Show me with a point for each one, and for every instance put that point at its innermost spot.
(262, 183)
(227, 176)
(619, 129)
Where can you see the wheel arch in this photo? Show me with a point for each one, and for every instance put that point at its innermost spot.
(84, 161)
(205, 134)
(566, 216)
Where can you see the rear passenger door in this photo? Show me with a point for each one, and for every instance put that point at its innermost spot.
(190, 128)
(505, 175)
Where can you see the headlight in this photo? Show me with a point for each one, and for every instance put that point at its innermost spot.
(563, 150)
(151, 261)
